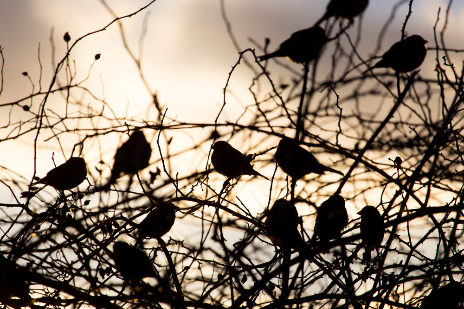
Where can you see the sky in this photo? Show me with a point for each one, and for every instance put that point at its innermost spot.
(187, 53)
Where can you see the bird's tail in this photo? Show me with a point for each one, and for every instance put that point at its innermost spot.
(367, 257)
(258, 174)
(317, 247)
(296, 242)
(264, 57)
(277, 53)
(39, 182)
(380, 64)
(324, 17)
(139, 242)
(329, 169)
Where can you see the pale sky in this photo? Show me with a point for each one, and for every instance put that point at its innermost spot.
(187, 52)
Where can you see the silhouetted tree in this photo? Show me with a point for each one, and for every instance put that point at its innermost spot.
(404, 156)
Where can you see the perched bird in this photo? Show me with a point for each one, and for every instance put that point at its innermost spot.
(67, 175)
(344, 9)
(372, 230)
(282, 225)
(230, 162)
(133, 264)
(449, 296)
(404, 56)
(331, 219)
(12, 281)
(130, 158)
(302, 46)
(158, 222)
(298, 162)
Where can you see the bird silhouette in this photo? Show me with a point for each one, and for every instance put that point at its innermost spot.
(298, 162)
(404, 56)
(13, 282)
(449, 296)
(67, 175)
(158, 222)
(372, 230)
(344, 9)
(282, 225)
(132, 157)
(230, 162)
(302, 46)
(331, 219)
(133, 264)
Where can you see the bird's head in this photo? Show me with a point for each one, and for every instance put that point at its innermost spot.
(368, 211)
(138, 136)
(119, 247)
(319, 33)
(417, 39)
(336, 199)
(220, 145)
(286, 142)
(167, 206)
(282, 203)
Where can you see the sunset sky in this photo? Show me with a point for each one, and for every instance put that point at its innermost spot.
(187, 53)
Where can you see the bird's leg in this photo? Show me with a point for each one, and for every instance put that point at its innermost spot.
(131, 179)
(367, 255)
(292, 188)
(300, 269)
(223, 189)
(348, 278)
(285, 265)
(397, 75)
(299, 120)
(377, 257)
(171, 268)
